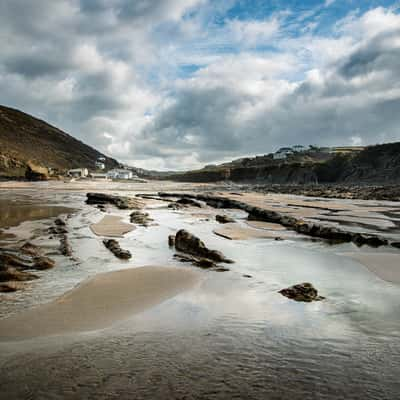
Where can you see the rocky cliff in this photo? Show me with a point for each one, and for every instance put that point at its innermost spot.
(29, 147)
(375, 165)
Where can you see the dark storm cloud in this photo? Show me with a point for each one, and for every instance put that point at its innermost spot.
(377, 55)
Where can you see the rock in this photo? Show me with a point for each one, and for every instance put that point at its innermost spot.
(189, 202)
(221, 269)
(140, 218)
(57, 230)
(30, 249)
(42, 263)
(7, 288)
(36, 173)
(6, 235)
(302, 292)
(198, 262)
(12, 260)
(224, 219)
(395, 244)
(12, 274)
(65, 247)
(371, 240)
(246, 276)
(171, 240)
(121, 202)
(115, 248)
(188, 243)
(60, 222)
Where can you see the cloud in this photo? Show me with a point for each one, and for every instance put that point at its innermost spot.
(179, 83)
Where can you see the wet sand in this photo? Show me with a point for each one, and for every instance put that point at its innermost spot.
(111, 225)
(100, 302)
(385, 265)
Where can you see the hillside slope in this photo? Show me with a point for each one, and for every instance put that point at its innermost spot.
(27, 141)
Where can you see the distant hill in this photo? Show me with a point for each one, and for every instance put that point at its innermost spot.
(378, 164)
(28, 143)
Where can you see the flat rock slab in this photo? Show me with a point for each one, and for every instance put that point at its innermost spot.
(385, 265)
(100, 301)
(237, 232)
(266, 225)
(112, 226)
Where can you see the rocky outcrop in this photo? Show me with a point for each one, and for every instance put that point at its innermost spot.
(197, 261)
(190, 244)
(171, 240)
(224, 219)
(121, 202)
(65, 247)
(302, 292)
(115, 248)
(140, 218)
(330, 233)
(36, 173)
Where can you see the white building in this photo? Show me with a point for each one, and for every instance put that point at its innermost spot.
(120, 174)
(78, 172)
(283, 153)
(299, 148)
(99, 165)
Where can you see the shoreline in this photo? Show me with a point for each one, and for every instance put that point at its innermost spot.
(99, 302)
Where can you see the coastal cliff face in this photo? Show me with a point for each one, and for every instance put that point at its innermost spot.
(375, 165)
(29, 147)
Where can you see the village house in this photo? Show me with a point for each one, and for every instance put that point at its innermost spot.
(120, 174)
(78, 173)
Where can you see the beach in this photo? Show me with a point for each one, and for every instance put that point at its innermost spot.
(156, 326)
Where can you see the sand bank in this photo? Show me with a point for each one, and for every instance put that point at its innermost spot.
(112, 226)
(101, 301)
(384, 265)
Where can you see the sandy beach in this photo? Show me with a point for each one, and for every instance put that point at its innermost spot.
(112, 226)
(385, 265)
(100, 302)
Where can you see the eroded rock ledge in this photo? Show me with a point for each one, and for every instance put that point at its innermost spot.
(121, 202)
(290, 222)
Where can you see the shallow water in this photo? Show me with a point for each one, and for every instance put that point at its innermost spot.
(230, 337)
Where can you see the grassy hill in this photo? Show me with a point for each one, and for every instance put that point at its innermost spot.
(27, 142)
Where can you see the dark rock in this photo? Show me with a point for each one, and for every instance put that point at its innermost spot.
(30, 249)
(189, 202)
(60, 222)
(65, 247)
(171, 240)
(246, 276)
(121, 202)
(221, 269)
(115, 248)
(7, 288)
(140, 218)
(198, 262)
(42, 263)
(188, 243)
(12, 274)
(302, 292)
(57, 230)
(395, 244)
(224, 219)
(12, 260)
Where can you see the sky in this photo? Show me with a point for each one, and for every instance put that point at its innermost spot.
(178, 84)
